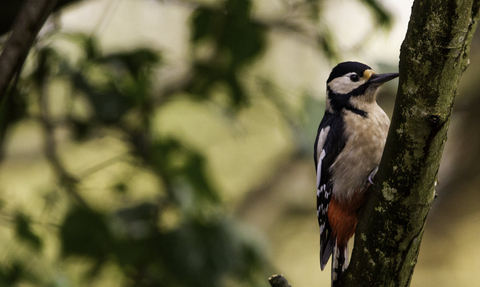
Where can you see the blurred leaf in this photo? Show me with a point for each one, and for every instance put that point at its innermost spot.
(243, 37)
(136, 60)
(232, 30)
(200, 252)
(205, 252)
(237, 90)
(207, 77)
(382, 15)
(204, 21)
(13, 109)
(81, 129)
(25, 233)
(314, 9)
(51, 198)
(109, 105)
(10, 275)
(237, 40)
(87, 43)
(145, 212)
(179, 163)
(114, 84)
(131, 74)
(120, 187)
(84, 233)
(47, 59)
(194, 170)
(328, 45)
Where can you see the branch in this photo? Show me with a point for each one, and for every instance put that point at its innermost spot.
(278, 281)
(433, 57)
(67, 180)
(31, 18)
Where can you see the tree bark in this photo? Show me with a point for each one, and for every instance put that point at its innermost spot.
(433, 57)
(30, 19)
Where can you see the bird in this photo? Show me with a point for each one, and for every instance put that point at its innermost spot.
(347, 152)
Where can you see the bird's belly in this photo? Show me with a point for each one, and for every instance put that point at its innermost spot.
(361, 155)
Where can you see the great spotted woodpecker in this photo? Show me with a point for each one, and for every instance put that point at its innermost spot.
(347, 152)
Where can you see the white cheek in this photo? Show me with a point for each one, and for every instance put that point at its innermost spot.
(344, 85)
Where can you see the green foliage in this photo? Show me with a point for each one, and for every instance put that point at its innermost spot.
(12, 109)
(25, 233)
(199, 251)
(84, 232)
(9, 275)
(381, 15)
(125, 81)
(177, 164)
(236, 36)
(237, 40)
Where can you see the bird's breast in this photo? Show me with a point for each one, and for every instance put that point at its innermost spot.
(363, 150)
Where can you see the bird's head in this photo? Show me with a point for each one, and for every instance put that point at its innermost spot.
(353, 83)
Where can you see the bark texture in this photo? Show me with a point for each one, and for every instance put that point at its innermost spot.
(433, 57)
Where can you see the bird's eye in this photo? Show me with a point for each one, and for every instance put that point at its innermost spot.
(354, 78)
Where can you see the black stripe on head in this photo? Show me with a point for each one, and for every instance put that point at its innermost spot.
(347, 67)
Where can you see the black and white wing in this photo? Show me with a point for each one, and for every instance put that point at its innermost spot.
(328, 144)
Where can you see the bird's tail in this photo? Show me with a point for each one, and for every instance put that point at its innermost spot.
(339, 263)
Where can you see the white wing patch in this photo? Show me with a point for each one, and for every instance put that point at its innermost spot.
(321, 141)
(321, 190)
(321, 153)
(319, 168)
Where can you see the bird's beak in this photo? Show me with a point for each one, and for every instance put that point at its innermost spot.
(382, 78)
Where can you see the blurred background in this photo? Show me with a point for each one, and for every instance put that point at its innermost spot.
(169, 143)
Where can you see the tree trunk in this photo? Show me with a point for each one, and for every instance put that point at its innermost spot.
(433, 56)
(28, 22)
